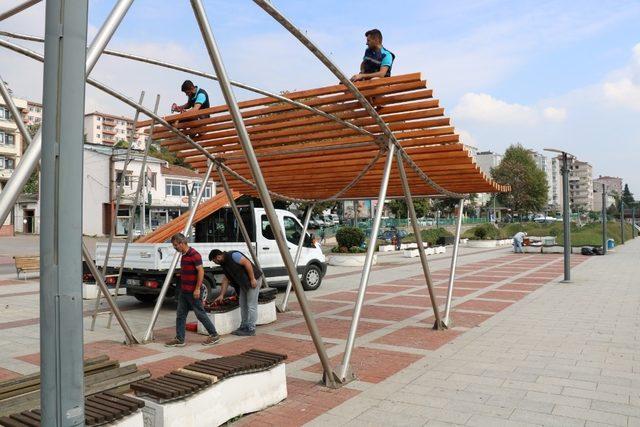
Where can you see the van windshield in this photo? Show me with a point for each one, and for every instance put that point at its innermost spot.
(221, 226)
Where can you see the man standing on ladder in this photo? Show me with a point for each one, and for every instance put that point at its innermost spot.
(377, 60)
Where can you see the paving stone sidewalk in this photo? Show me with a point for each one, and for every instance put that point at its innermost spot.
(566, 355)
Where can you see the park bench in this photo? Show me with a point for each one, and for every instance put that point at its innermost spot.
(26, 264)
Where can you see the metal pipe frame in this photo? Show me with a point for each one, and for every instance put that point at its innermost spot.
(61, 323)
(234, 110)
(114, 215)
(268, 7)
(148, 336)
(345, 374)
(15, 114)
(454, 263)
(19, 8)
(236, 213)
(131, 339)
(38, 57)
(105, 33)
(132, 210)
(209, 76)
(421, 250)
(305, 226)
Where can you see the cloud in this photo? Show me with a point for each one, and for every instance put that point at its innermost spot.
(466, 138)
(484, 108)
(622, 88)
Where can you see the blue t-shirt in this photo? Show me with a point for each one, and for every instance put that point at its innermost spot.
(236, 256)
(200, 97)
(374, 59)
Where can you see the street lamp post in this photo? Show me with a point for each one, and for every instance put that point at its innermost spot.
(604, 219)
(566, 214)
(621, 222)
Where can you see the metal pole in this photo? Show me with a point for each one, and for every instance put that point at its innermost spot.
(133, 207)
(305, 226)
(186, 231)
(454, 262)
(28, 162)
(19, 8)
(566, 218)
(364, 280)
(243, 135)
(17, 117)
(109, 27)
(61, 323)
(416, 232)
(604, 219)
(633, 222)
(131, 339)
(236, 213)
(114, 216)
(621, 222)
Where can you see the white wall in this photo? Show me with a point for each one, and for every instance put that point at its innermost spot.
(95, 191)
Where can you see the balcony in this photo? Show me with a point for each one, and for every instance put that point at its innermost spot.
(108, 131)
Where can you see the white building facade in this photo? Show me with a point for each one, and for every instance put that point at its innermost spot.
(107, 129)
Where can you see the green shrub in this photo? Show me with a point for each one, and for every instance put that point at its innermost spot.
(430, 236)
(349, 237)
(485, 231)
(357, 250)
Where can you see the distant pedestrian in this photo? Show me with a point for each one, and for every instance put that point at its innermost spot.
(323, 236)
(518, 240)
(191, 276)
(398, 240)
(247, 278)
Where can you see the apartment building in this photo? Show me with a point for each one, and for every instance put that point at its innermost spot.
(107, 129)
(32, 115)
(613, 186)
(581, 186)
(555, 190)
(485, 161)
(11, 148)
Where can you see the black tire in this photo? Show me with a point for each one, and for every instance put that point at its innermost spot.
(206, 293)
(311, 277)
(146, 298)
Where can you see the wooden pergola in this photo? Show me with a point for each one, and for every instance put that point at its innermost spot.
(307, 156)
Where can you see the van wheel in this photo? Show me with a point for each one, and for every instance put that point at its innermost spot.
(206, 293)
(146, 298)
(311, 278)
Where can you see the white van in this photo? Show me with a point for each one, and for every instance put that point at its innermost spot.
(146, 265)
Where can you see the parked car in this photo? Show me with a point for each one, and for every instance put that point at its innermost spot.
(544, 219)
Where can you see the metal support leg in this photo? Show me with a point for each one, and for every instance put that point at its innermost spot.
(61, 322)
(416, 232)
(131, 339)
(454, 262)
(344, 369)
(305, 226)
(114, 216)
(19, 8)
(252, 160)
(13, 110)
(236, 213)
(148, 336)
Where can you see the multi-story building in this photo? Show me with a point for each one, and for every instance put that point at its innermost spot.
(613, 187)
(555, 189)
(581, 186)
(545, 164)
(486, 160)
(107, 129)
(166, 192)
(32, 115)
(11, 148)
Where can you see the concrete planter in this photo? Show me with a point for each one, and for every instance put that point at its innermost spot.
(91, 290)
(407, 246)
(555, 249)
(532, 249)
(349, 260)
(228, 322)
(430, 251)
(440, 249)
(464, 242)
(505, 242)
(386, 248)
(411, 253)
(482, 243)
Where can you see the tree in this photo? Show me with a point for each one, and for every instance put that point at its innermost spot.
(627, 196)
(398, 207)
(529, 188)
(33, 184)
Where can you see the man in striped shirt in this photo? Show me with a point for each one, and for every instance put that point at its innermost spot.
(191, 276)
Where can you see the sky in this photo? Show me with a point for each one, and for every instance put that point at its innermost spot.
(544, 74)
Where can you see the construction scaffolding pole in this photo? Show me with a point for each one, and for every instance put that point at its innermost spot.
(454, 263)
(19, 8)
(345, 373)
(114, 215)
(305, 226)
(421, 250)
(61, 323)
(174, 262)
(243, 228)
(261, 185)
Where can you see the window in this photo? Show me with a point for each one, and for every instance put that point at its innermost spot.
(98, 127)
(4, 113)
(174, 187)
(207, 190)
(6, 139)
(267, 232)
(152, 180)
(97, 135)
(9, 163)
(99, 119)
(127, 178)
(292, 230)
(1, 162)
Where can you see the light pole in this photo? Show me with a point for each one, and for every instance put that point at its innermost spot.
(604, 219)
(621, 221)
(566, 213)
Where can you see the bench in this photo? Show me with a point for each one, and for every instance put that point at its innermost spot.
(25, 264)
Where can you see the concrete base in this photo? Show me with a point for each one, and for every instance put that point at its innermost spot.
(228, 322)
(90, 291)
(386, 248)
(482, 243)
(463, 242)
(133, 420)
(532, 249)
(440, 249)
(553, 249)
(411, 253)
(221, 402)
(347, 260)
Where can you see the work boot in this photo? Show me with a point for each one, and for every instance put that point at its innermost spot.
(245, 332)
(211, 340)
(174, 343)
(239, 330)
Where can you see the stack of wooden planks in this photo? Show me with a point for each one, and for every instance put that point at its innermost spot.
(305, 155)
(165, 231)
(100, 374)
